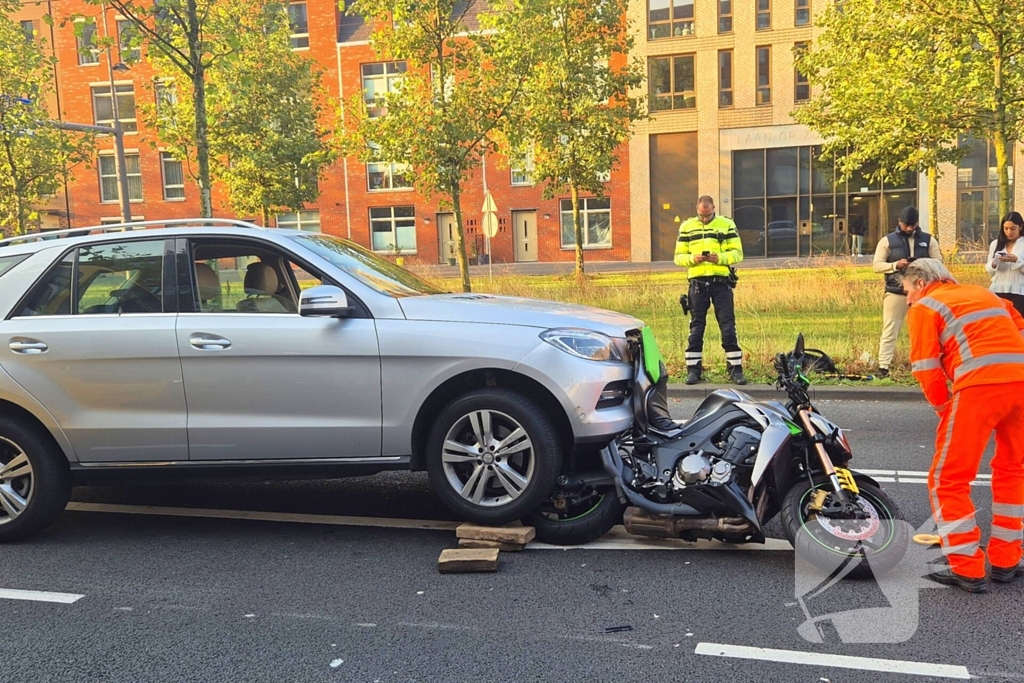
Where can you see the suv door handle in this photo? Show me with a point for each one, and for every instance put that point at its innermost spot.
(28, 346)
(204, 342)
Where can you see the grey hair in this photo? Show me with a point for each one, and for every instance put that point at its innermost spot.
(929, 270)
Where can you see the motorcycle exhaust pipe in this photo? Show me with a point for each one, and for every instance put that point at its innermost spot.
(640, 523)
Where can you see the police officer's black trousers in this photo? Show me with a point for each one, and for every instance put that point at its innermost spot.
(704, 293)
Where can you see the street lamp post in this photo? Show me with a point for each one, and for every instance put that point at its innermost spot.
(120, 163)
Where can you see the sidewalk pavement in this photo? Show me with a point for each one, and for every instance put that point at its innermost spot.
(844, 392)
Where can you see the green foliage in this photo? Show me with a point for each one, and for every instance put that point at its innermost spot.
(459, 86)
(900, 81)
(578, 107)
(35, 158)
(188, 39)
(268, 146)
(891, 92)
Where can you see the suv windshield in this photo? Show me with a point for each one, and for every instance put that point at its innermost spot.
(8, 262)
(365, 266)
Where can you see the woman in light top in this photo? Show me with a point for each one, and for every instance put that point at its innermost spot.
(1006, 261)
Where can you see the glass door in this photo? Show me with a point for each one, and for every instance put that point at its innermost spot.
(973, 210)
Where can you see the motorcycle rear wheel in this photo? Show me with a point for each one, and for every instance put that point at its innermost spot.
(576, 521)
(877, 546)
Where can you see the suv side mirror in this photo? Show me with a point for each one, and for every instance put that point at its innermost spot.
(324, 301)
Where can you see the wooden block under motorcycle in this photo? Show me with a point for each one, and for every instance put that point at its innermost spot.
(464, 560)
(520, 535)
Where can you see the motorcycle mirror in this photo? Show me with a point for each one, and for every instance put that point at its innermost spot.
(799, 349)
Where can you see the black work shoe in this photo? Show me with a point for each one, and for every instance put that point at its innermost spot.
(1007, 574)
(693, 374)
(882, 373)
(944, 575)
(736, 375)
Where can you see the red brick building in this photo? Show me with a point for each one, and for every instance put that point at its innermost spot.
(370, 203)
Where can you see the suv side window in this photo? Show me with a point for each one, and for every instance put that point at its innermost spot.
(8, 262)
(245, 277)
(125, 277)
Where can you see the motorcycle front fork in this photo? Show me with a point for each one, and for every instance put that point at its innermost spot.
(840, 491)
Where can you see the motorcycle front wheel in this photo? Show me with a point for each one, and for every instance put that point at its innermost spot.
(563, 520)
(876, 543)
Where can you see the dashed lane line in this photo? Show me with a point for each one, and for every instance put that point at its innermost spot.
(821, 659)
(39, 596)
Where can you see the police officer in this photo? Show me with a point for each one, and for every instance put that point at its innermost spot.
(708, 245)
(891, 258)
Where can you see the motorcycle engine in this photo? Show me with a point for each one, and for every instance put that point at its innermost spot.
(698, 469)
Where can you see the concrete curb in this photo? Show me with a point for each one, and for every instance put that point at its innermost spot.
(822, 393)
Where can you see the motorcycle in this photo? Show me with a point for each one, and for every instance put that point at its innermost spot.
(727, 471)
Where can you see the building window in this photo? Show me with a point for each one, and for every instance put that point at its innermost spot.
(299, 22)
(125, 35)
(596, 215)
(802, 88)
(764, 75)
(174, 179)
(103, 107)
(166, 97)
(378, 80)
(86, 38)
(300, 220)
(393, 228)
(803, 12)
(672, 83)
(28, 29)
(382, 175)
(725, 16)
(668, 18)
(109, 188)
(978, 192)
(764, 15)
(725, 78)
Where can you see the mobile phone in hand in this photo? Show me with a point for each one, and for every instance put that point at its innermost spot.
(705, 253)
(1002, 252)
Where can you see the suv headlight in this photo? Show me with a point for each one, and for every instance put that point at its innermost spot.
(583, 344)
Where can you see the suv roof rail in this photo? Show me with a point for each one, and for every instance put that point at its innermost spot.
(127, 227)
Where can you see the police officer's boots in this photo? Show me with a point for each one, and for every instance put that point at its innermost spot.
(736, 374)
(693, 373)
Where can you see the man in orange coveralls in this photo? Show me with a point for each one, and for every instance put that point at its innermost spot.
(967, 334)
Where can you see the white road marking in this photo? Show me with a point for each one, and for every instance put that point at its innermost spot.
(256, 515)
(40, 596)
(619, 539)
(833, 661)
(914, 477)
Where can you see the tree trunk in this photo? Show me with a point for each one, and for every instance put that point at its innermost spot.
(933, 201)
(460, 238)
(266, 216)
(195, 53)
(1000, 139)
(577, 223)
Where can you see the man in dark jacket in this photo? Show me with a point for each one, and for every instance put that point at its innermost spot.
(892, 255)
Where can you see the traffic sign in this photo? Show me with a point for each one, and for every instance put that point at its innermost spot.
(490, 223)
(489, 204)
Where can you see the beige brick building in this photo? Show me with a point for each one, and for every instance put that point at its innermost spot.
(722, 86)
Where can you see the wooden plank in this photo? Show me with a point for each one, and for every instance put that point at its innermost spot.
(520, 535)
(460, 560)
(475, 543)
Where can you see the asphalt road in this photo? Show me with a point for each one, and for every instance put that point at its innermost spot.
(200, 599)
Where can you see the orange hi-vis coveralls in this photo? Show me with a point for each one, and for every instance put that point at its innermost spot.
(966, 334)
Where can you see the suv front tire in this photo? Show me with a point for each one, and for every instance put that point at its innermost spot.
(493, 456)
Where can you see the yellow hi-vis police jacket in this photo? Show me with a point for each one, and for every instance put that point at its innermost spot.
(718, 237)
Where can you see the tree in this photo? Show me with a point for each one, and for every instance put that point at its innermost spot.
(192, 36)
(579, 107)
(990, 35)
(269, 146)
(891, 91)
(457, 89)
(35, 157)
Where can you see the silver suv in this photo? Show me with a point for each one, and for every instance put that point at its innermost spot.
(218, 347)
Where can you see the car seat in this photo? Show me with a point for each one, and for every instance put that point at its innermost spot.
(261, 288)
(208, 284)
